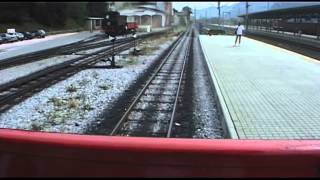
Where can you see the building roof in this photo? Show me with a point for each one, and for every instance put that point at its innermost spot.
(153, 9)
(140, 12)
(288, 12)
(94, 18)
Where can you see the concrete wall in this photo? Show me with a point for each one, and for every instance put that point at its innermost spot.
(94, 24)
(145, 20)
(137, 19)
(157, 21)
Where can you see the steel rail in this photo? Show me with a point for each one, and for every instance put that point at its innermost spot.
(44, 78)
(120, 122)
(31, 85)
(34, 75)
(186, 57)
(64, 49)
(41, 72)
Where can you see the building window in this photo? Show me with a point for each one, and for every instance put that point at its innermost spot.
(98, 23)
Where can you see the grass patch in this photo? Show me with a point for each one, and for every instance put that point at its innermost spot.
(72, 88)
(95, 75)
(84, 82)
(131, 60)
(87, 107)
(57, 102)
(36, 127)
(73, 103)
(104, 86)
(148, 50)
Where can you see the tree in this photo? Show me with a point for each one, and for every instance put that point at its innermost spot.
(187, 11)
(49, 14)
(97, 9)
(77, 11)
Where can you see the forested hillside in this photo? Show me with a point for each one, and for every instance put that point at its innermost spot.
(47, 15)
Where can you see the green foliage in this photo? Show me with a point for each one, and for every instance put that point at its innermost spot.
(97, 9)
(36, 127)
(72, 88)
(47, 14)
(104, 86)
(182, 21)
(57, 102)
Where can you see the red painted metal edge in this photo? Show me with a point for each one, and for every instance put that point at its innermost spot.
(27, 153)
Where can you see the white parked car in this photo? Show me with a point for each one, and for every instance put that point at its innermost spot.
(13, 37)
(9, 38)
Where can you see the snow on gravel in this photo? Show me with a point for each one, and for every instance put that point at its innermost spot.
(71, 105)
(13, 73)
(28, 46)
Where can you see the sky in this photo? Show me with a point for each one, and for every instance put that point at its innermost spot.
(198, 5)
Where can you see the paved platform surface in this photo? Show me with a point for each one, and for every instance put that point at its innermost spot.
(268, 92)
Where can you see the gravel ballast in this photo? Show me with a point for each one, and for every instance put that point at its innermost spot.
(71, 105)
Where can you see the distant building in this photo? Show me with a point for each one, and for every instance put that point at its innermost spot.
(94, 23)
(154, 14)
(183, 17)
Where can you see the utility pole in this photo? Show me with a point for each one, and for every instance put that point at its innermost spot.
(195, 15)
(219, 13)
(223, 16)
(247, 10)
(206, 17)
(268, 5)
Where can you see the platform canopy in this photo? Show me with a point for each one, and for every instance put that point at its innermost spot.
(310, 11)
(94, 18)
(140, 12)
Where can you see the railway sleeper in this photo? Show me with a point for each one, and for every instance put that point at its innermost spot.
(142, 134)
(153, 111)
(157, 99)
(149, 120)
(145, 127)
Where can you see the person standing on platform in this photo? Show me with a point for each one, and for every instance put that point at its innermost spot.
(238, 33)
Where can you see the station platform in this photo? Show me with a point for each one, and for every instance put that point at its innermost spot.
(265, 92)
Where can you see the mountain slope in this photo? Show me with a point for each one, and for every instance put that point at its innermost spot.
(240, 8)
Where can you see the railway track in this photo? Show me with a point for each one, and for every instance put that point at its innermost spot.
(14, 92)
(68, 49)
(152, 113)
(56, 51)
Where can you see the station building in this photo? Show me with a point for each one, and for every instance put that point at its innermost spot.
(153, 14)
(94, 23)
(299, 20)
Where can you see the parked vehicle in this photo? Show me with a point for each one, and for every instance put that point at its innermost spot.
(27, 35)
(9, 38)
(4, 38)
(20, 36)
(1, 40)
(14, 36)
(39, 33)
